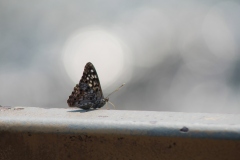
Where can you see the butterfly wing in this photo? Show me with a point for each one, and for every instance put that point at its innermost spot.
(88, 93)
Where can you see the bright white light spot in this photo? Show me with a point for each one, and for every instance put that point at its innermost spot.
(98, 46)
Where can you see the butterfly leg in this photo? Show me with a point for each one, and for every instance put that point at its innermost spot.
(112, 104)
(107, 107)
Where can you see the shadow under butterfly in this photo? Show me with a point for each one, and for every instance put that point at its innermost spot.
(88, 93)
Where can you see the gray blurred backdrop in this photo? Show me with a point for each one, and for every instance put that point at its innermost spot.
(173, 55)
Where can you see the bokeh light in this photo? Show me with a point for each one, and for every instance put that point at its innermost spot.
(173, 55)
(100, 47)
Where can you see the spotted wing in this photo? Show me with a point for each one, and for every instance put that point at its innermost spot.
(88, 93)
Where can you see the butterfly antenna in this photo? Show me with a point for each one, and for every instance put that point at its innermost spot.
(116, 90)
(112, 104)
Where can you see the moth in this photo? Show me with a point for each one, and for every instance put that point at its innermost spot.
(88, 93)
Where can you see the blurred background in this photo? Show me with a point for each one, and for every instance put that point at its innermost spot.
(181, 56)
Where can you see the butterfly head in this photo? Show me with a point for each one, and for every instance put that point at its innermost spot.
(106, 99)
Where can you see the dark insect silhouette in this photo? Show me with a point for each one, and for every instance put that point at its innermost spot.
(88, 93)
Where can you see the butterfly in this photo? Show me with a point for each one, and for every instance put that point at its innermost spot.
(88, 93)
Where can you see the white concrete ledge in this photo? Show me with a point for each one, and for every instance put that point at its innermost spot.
(144, 123)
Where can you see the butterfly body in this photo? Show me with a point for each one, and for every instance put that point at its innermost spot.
(88, 93)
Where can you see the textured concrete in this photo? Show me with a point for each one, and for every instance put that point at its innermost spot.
(37, 133)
